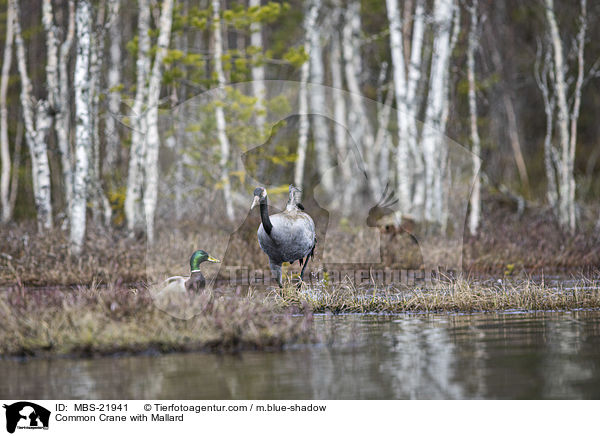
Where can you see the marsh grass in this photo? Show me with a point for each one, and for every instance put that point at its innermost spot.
(95, 320)
(51, 303)
(108, 320)
(458, 295)
(507, 244)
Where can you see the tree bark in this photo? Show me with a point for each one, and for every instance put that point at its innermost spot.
(361, 130)
(153, 138)
(303, 103)
(101, 210)
(83, 125)
(567, 134)
(37, 123)
(433, 144)
(133, 200)
(339, 111)
(62, 119)
(258, 70)
(475, 200)
(399, 75)
(412, 109)
(113, 81)
(5, 178)
(317, 99)
(219, 113)
(14, 184)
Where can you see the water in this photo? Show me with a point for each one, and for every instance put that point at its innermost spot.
(508, 355)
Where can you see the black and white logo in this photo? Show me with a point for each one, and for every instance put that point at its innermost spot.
(26, 415)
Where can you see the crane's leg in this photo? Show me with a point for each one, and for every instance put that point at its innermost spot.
(311, 254)
(303, 267)
(276, 270)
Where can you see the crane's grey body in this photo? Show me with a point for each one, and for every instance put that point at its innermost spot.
(292, 237)
(287, 236)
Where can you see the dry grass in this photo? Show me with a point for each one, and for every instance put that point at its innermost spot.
(50, 303)
(508, 243)
(101, 320)
(98, 321)
(451, 296)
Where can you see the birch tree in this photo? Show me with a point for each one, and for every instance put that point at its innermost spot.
(563, 159)
(382, 138)
(83, 125)
(399, 73)
(258, 69)
(339, 109)
(5, 179)
(58, 87)
(474, 215)
(101, 210)
(361, 129)
(37, 123)
(219, 113)
(113, 82)
(303, 127)
(542, 69)
(133, 198)
(406, 78)
(412, 106)
(317, 99)
(435, 113)
(153, 138)
(62, 119)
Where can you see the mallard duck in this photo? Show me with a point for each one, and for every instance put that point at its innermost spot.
(287, 236)
(196, 280)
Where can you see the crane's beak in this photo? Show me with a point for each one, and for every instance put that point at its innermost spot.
(255, 202)
(212, 259)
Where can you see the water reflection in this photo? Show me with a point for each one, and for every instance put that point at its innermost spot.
(509, 355)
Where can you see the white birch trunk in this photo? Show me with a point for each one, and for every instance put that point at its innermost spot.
(432, 141)
(258, 70)
(133, 199)
(113, 81)
(219, 113)
(412, 109)
(83, 125)
(62, 118)
(399, 75)
(51, 52)
(179, 95)
(339, 111)
(57, 84)
(153, 138)
(303, 126)
(382, 143)
(37, 122)
(581, 35)
(5, 178)
(361, 130)
(567, 134)
(317, 99)
(474, 216)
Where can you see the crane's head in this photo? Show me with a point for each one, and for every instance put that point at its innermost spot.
(260, 196)
(294, 197)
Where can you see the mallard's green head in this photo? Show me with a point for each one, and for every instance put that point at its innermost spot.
(198, 257)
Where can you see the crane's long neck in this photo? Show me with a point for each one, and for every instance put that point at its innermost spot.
(264, 216)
